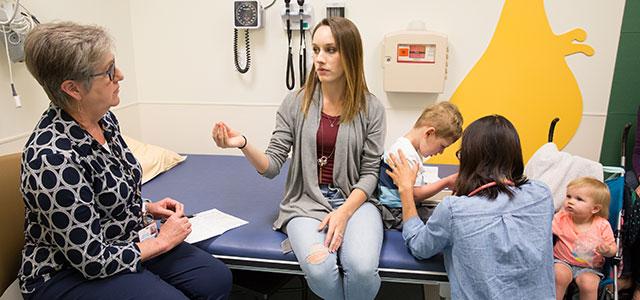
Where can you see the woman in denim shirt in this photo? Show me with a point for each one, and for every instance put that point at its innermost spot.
(495, 231)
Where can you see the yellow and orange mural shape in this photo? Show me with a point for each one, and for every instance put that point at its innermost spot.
(523, 76)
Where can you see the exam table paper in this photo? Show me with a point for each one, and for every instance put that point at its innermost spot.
(210, 223)
(430, 174)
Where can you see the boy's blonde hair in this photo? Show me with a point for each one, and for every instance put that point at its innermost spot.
(598, 191)
(445, 118)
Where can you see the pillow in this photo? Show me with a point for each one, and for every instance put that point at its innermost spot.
(153, 159)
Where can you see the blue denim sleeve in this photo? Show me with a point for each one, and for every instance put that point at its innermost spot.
(427, 240)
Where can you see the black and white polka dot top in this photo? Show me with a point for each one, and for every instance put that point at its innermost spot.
(82, 202)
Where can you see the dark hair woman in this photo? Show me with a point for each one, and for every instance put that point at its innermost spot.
(495, 231)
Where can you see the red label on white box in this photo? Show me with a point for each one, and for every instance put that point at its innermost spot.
(416, 53)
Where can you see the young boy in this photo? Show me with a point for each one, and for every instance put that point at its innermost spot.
(584, 236)
(438, 126)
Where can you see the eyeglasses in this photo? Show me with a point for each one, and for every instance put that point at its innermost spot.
(110, 72)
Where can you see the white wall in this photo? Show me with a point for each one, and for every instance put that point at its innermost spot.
(187, 79)
(178, 60)
(16, 124)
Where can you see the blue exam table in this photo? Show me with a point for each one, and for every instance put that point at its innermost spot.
(231, 185)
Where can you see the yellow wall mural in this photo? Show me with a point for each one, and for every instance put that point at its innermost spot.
(523, 75)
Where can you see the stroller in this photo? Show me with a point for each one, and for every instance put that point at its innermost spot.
(557, 168)
(616, 185)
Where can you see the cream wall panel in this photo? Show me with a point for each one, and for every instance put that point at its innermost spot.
(181, 54)
(588, 139)
(129, 118)
(13, 144)
(184, 56)
(593, 74)
(186, 128)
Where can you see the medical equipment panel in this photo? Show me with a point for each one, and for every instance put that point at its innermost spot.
(247, 14)
(300, 20)
(335, 8)
(15, 23)
(414, 61)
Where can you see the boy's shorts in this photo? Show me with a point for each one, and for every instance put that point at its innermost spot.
(393, 220)
(576, 270)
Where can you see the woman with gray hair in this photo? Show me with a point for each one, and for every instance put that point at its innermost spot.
(88, 232)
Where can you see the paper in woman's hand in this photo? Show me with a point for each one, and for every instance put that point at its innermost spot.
(210, 223)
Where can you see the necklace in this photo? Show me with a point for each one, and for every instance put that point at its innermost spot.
(324, 159)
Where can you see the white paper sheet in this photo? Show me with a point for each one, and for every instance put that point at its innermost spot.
(210, 223)
(430, 174)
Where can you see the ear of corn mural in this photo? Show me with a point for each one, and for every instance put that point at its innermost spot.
(523, 75)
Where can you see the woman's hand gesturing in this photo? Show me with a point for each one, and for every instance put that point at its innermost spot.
(225, 137)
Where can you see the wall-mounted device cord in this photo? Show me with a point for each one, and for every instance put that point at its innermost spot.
(20, 23)
(14, 29)
(240, 69)
(14, 93)
(303, 46)
(291, 77)
(272, 3)
(13, 16)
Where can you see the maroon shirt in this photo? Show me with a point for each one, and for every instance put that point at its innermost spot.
(326, 144)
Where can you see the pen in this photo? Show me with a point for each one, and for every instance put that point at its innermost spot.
(189, 216)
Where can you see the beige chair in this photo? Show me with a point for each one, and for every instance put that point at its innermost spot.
(11, 219)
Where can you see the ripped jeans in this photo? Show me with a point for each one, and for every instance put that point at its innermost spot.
(358, 255)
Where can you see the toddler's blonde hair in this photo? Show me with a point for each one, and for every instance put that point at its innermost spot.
(597, 190)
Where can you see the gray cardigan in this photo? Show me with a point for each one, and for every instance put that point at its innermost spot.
(359, 146)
